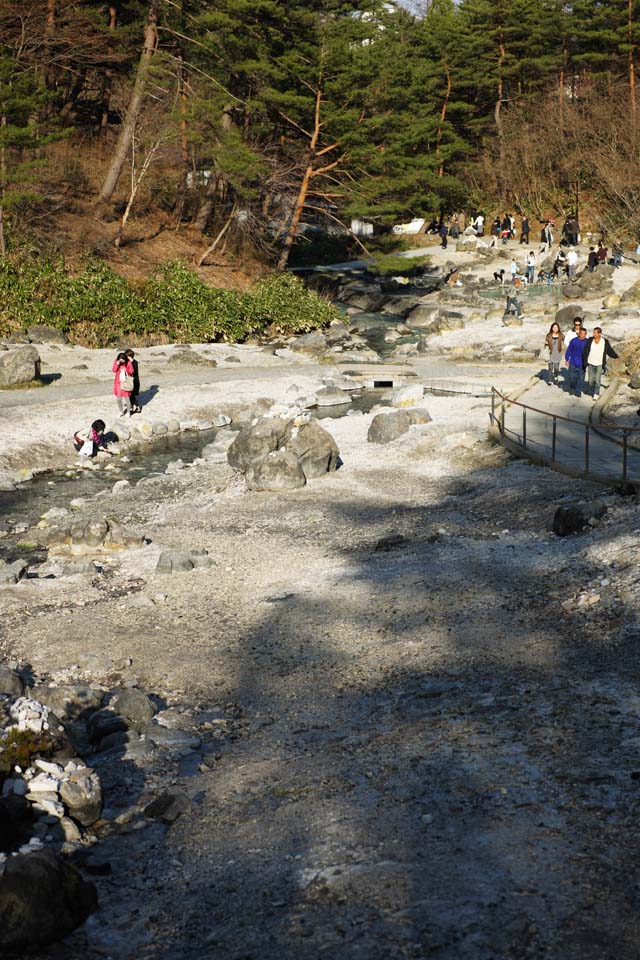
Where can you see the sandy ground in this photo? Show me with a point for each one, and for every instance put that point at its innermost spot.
(426, 751)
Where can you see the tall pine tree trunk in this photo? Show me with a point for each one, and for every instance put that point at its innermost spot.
(443, 117)
(108, 74)
(632, 65)
(135, 105)
(295, 219)
(3, 186)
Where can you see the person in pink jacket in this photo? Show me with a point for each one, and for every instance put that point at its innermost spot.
(123, 383)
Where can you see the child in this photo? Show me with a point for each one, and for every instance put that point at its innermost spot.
(89, 442)
(123, 383)
(135, 406)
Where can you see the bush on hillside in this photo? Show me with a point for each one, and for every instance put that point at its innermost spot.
(99, 308)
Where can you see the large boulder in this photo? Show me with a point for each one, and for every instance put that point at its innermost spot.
(422, 316)
(386, 427)
(40, 333)
(81, 793)
(565, 315)
(314, 344)
(277, 471)
(255, 441)
(19, 366)
(42, 899)
(576, 516)
(408, 395)
(135, 706)
(632, 295)
(314, 448)
(331, 397)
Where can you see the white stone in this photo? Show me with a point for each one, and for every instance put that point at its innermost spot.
(44, 783)
(47, 767)
(408, 396)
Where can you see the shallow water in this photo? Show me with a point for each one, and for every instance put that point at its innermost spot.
(24, 506)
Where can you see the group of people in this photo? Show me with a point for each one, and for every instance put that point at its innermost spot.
(584, 357)
(126, 390)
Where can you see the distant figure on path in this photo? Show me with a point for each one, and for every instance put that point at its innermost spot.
(454, 232)
(594, 360)
(554, 342)
(531, 266)
(602, 252)
(88, 442)
(524, 230)
(444, 232)
(573, 358)
(617, 251)
(546, 237)
(573, 231)
(478, 225)
(572, 263)
(135, 406)
(592, 261)
(512, 301)
(513, 269)
(123, 383)
(559, 264)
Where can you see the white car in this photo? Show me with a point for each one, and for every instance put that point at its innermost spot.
(415, 226)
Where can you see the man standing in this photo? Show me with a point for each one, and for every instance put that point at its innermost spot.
(572, 334)
(531, 266)
(573, 357)
(478, 225)
(594, 360)
(572, 263)
(524, 230)
(592, 262)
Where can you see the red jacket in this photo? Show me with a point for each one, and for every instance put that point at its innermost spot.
(117, 368)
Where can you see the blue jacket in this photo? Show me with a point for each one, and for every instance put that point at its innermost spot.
(573, 356)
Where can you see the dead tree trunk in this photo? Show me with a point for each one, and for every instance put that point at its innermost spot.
(443, 117)
(3, 187)
(123, 144)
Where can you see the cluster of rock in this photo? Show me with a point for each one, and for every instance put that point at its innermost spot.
(387, 426)
(63, 533)
(51, 798)
(280, 453)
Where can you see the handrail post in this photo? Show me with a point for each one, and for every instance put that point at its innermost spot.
(524, 428)
(502, 418)
(493, 405)
(624, 456)
(553, 439)
(586, 449)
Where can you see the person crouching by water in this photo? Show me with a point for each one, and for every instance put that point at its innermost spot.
(123, 383)
(573, 359)
(135, 406)
(91, 441)
(554, 342)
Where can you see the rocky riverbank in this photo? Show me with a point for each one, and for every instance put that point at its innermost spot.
(390, 711)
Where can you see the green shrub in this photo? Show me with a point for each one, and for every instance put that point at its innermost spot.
(99, 308)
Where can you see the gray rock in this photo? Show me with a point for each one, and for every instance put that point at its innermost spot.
(42, 899)
(255, 441)
(511, 320)
(104, 722)
(386, 427)
(81, 794)
(331, 397)
(173, 561)
(135, 706)
(41, 333)
(12, 572)
(159, 429)
(577, 516)
(314, 344)
(315, 449)
(418, 415)
(19, 366)
(277, 471)
(10, 682)
(565, 315)
(176, 740)
(71, 701)
(167, 807)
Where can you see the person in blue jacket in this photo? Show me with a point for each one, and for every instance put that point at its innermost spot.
(573, 358)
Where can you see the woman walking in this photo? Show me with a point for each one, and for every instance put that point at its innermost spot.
(123, 383)
(554, 343)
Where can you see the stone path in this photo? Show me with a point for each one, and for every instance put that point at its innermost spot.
(581, 445)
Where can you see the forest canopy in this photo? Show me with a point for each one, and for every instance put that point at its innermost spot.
(249, 118)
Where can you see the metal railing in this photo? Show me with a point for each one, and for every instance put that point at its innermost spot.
(622, 468)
